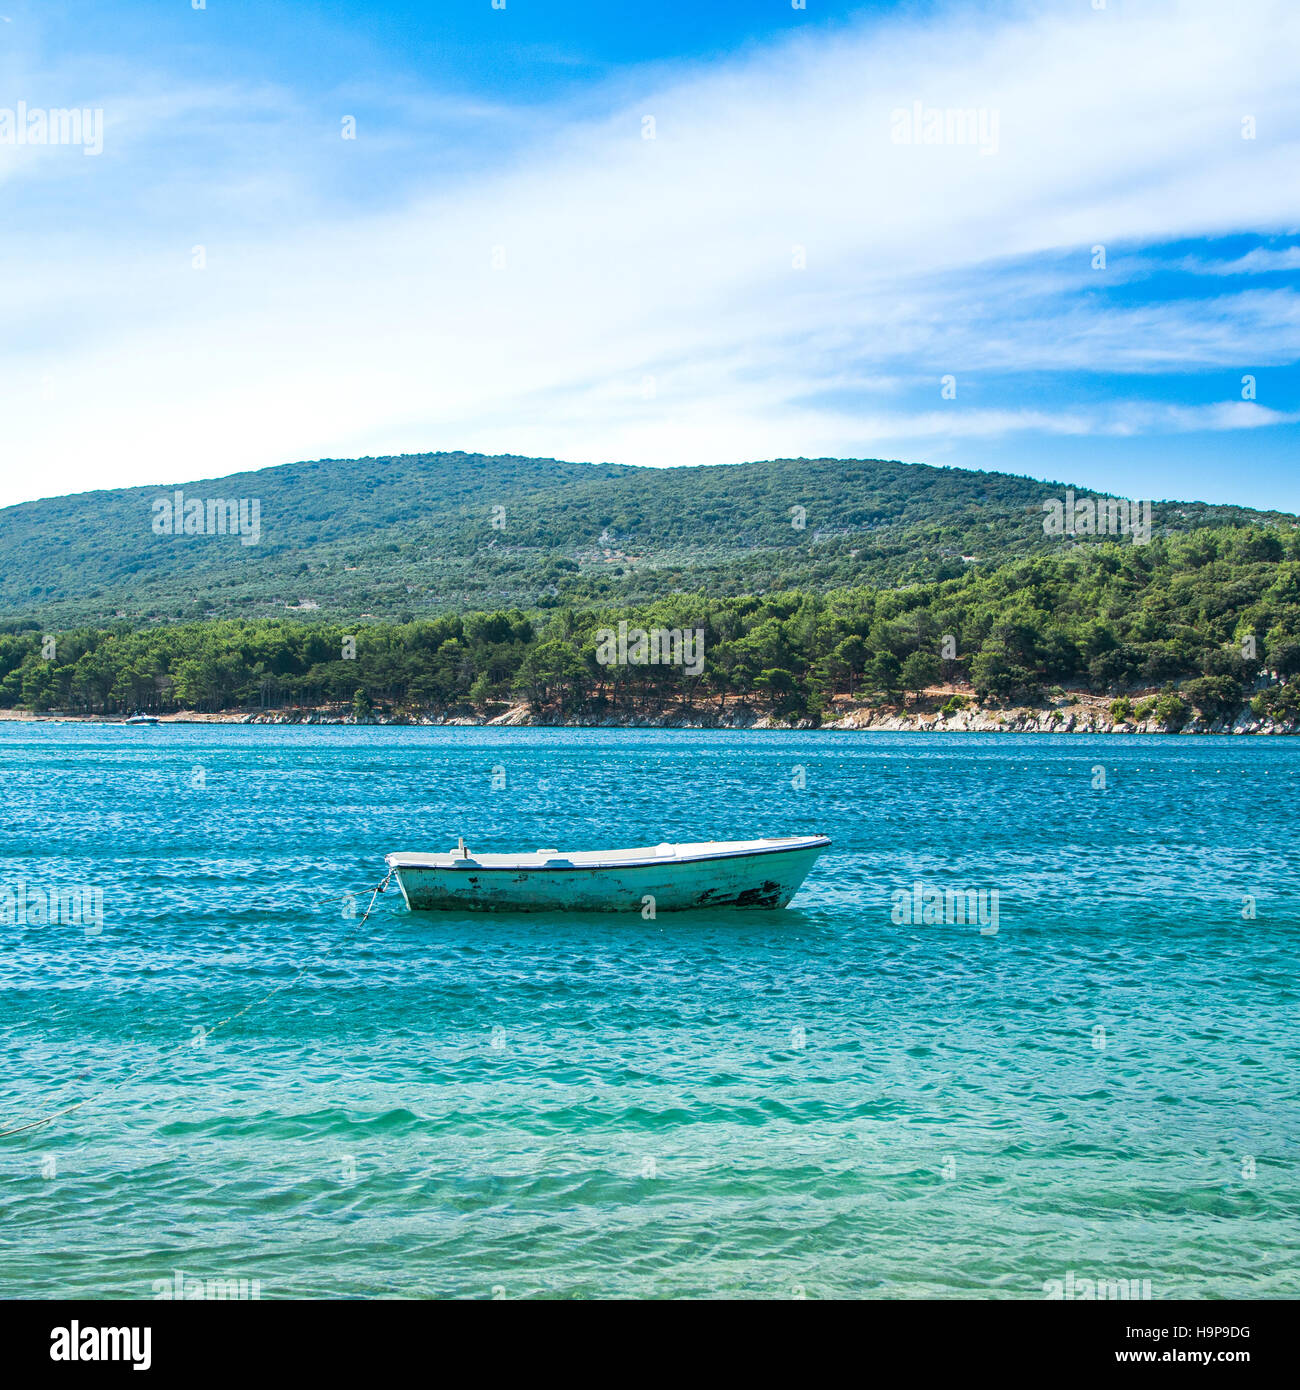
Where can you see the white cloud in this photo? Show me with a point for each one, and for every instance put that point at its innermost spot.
(1146, 418)
(671, 258)
(1261, 261)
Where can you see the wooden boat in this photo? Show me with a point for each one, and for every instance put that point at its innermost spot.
(662, 878)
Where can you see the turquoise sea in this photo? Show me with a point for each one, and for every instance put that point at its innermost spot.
(819, 1102)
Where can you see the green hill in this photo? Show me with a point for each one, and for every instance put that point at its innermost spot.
(413, 536)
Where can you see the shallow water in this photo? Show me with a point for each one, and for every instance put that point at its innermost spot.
(824, 1100)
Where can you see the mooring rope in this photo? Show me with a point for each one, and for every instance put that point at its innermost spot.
(48, 1119)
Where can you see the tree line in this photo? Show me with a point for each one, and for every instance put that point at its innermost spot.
(1212, 614)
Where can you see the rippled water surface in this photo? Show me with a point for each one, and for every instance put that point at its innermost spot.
(821, 1100)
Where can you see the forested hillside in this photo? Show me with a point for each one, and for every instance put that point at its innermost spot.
(420, 535)
(1204, 620)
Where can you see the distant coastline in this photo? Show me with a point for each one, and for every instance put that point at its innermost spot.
(1077, 714)
(1196, 632)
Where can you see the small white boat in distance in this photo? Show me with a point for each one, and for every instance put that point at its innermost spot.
(138, 718)
(713, 873)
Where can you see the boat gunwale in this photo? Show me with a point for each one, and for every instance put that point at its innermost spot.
(811, 842)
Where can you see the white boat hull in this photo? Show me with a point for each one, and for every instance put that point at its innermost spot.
(670, 878)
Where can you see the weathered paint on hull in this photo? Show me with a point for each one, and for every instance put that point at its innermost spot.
(759, 880)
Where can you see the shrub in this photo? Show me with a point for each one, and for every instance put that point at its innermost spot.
(1172, 711)
(1214, 695)
(1283, 701)
(1284, 658)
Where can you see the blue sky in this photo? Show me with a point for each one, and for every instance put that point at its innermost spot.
(678, 233)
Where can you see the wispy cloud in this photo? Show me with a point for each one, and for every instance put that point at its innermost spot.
(695, 297)
(1261, 261)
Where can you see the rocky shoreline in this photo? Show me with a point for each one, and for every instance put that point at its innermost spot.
(1074, 715)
